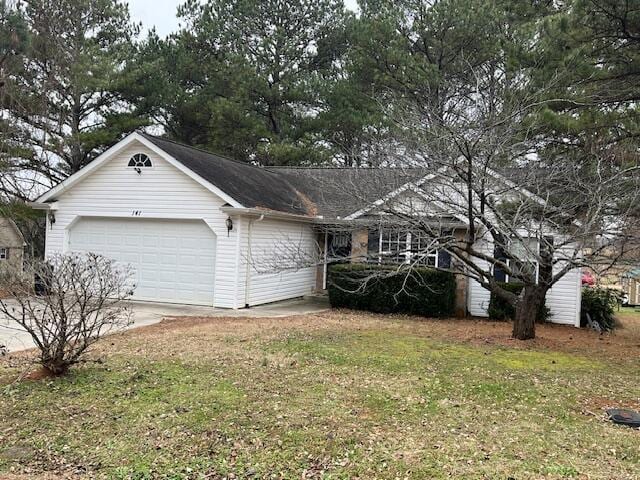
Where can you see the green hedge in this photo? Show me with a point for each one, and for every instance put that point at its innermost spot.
(599, 304)
(500, 309)
(419, 291)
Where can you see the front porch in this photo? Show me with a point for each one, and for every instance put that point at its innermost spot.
(375, 244)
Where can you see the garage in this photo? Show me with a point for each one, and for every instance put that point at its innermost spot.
(173, 260)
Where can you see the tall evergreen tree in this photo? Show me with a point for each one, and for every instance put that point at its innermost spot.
(596, 46)
(13, 43)
(256, 71)
(67, 94)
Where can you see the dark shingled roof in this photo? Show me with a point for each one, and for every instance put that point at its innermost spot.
(339, 192)
(313, 191)
(252, 186)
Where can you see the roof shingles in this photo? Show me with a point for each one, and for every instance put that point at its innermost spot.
(313, 191)
(251, 186)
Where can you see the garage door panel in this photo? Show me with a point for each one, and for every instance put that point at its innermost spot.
(131, 241)
(149, 241)
(173, 261)
(132, 258)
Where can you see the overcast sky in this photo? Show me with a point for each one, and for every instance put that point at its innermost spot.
(162, 13)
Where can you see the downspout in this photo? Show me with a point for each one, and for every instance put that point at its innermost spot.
(247, 273)
(324, 267)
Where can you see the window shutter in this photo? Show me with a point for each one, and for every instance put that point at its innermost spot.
(498, 273)
(373, 245)
(444, 259)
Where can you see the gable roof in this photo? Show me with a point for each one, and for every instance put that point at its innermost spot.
(8, 223)
(316, 192)
(313, 192)
(250, 185)
(328, 192)
(339, 192)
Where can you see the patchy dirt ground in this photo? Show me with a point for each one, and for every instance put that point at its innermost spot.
(333, 395)
(622, 343)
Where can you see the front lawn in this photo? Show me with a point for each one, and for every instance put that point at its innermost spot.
(337, 395)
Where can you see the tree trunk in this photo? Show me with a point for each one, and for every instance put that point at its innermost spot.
(529, 303)
(55, 368)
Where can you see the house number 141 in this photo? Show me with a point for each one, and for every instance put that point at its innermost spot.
(136, 213)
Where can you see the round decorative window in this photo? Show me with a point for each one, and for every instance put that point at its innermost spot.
(139, 160)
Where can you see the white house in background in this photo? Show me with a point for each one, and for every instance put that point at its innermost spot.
(202, 229)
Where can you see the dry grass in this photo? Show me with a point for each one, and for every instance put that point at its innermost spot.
(335, 395)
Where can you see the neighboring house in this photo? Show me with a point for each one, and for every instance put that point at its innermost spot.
(203, 229)
(11, 244)
(630, 283)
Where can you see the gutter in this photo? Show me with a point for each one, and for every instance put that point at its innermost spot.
(258, 212)
(43, 206)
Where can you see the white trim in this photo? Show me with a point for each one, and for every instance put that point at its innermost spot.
(120, 216)
(154, 216)
(579, 303)
(238, 253)
(257, 212)
(416, 188)
(506, 275)
(247, 279)
(541, 201)
(442, 207)
(43, 206)
(108, 154)
(409, 185)
(510, 184)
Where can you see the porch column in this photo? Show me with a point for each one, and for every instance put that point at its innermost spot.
(321, 267)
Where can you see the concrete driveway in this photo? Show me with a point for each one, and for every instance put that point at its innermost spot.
(146, 313)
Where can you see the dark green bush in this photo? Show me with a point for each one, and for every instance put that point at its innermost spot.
(599, 304)
(419, 291)
(501, 310)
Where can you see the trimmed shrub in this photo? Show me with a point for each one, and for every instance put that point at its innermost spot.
(501, 310)
(599, 304)
(419, 291)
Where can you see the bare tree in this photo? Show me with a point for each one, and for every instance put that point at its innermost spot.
(532, 211)
(77, 299)
(477, 175)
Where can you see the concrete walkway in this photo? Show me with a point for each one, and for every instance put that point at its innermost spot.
(146, 313)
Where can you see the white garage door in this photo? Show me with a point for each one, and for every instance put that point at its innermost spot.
(173, 259)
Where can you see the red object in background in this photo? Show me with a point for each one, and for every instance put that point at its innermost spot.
(588, 279)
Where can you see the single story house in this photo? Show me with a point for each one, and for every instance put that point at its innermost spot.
(203, 229)
(11, 243)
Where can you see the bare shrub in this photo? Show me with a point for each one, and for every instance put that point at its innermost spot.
(66, 304)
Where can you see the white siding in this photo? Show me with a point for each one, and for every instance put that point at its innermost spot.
(563, 299)
(478, 297)
(281, 262)
(159, 192)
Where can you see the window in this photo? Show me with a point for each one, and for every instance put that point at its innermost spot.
(423, 250)
(339, 246)
(523, 265)
(140, 160)
(4, 253)
(393, 246)
(397, 246)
